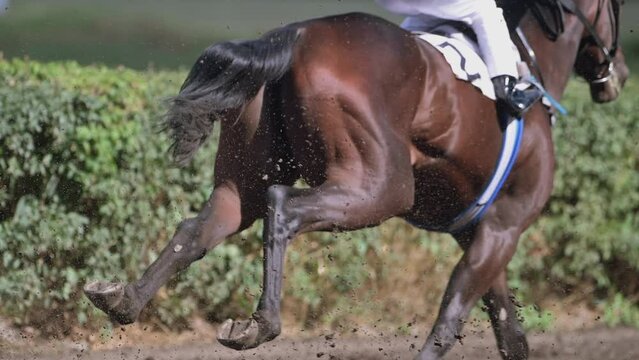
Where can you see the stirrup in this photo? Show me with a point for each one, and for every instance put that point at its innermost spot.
(523, 99)
(513, 97)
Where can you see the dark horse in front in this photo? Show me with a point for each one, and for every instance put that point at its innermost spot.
(375, 122)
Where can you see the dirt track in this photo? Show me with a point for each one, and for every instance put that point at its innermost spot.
(619, 343)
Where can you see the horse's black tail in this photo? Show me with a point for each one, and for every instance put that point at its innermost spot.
(226, 76)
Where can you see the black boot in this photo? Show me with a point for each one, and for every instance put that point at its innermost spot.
(515, 102)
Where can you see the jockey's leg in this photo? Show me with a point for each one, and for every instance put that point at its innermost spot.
(501, 57)
(497, 50)
(496, 47)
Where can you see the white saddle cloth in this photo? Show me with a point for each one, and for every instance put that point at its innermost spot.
(462, 54)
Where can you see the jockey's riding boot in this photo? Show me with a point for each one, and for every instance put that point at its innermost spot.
(512, 100)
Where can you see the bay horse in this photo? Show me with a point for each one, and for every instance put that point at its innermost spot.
(374, 121)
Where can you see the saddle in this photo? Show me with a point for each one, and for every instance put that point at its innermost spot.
(548, 13)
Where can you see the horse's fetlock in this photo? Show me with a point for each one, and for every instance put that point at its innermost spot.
(269, 321)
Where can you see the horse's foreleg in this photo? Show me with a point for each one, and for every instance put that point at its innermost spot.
(219, 218)
(485, 259)
(511, 338)
(294, 211)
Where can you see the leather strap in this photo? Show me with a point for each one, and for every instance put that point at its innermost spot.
(573, 8)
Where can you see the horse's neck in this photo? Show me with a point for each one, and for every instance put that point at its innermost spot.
(555, 59)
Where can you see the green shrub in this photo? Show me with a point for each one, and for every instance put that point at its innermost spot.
(588, 239)
(87, 192)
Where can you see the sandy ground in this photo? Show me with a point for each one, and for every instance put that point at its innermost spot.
(601, 343)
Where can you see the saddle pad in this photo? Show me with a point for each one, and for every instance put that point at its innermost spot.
(462, 56)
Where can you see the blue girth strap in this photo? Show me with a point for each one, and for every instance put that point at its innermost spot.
(507, 156)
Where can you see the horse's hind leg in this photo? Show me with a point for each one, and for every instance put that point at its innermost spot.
(511, 339)
(333, 205)
(219, 218)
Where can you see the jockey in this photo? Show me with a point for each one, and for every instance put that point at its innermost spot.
(496, 47)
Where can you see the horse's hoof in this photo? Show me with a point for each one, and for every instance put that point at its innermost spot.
(104, 295)
(239, 334)
(113, 299)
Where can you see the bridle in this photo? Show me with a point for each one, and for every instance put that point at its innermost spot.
(595, 39)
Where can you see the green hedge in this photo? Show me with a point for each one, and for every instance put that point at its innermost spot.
(589, 235)
(87, 192)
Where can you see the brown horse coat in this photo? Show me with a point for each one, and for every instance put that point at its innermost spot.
(375, 122)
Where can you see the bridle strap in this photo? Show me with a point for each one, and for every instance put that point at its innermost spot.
(573, 8)
(614, 16)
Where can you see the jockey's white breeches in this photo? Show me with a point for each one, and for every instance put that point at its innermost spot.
(485, 18)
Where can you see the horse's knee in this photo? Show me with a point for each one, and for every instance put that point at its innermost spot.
(284, 221)
(279, 194)
(492, 251)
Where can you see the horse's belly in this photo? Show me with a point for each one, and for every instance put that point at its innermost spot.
(441, 193)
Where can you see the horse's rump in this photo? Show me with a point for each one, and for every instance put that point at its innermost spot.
(399, 89)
